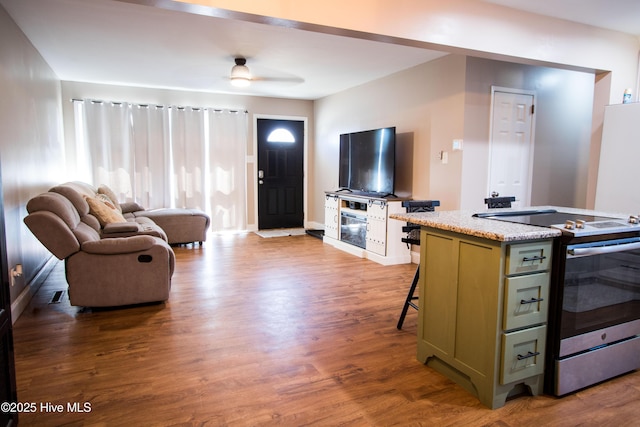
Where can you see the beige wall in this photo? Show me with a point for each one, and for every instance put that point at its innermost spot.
(254, 105)
(31, 146)
(426, 102)
(450, 98)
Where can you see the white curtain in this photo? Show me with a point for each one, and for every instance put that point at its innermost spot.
(227, 173)
(170, 156)
(152, 153)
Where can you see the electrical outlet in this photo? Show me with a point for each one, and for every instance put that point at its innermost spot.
(15, 272)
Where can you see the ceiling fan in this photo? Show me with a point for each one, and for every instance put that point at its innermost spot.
(242, 77)
(240, 74)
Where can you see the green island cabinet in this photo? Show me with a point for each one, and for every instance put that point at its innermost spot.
(483, 312)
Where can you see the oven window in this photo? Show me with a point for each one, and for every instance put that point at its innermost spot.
(600, 291)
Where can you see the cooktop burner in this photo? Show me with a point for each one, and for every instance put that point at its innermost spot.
(570, 223)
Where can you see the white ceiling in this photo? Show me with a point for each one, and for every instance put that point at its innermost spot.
(119, 42)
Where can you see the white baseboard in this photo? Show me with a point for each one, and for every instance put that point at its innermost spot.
(312, 225)
(20, 304)
(363, 253)
(309, 225)
(415, 257)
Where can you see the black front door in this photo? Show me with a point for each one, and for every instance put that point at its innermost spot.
(280, 173)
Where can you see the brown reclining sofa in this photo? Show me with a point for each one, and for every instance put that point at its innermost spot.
(114, 255)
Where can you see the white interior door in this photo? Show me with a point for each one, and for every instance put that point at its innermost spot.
(511, 157)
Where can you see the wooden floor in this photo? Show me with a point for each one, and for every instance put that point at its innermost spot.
(281, 331)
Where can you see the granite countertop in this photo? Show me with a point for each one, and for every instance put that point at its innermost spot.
(465, 223)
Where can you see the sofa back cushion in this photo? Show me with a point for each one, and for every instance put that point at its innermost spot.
(77, 192)
(76, 195)
(56, 224)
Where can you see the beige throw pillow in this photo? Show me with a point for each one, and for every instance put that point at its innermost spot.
(104, 213)
(106, 200)
(103, 189)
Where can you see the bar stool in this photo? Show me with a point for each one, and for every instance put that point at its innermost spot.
(495, 201)
(413, 238)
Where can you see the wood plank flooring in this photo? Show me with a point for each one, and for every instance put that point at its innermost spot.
(284, 331)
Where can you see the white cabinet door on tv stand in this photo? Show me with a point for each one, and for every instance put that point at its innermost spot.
(377, 229)
(332, 216)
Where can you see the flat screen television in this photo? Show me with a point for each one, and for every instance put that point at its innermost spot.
(367, 161)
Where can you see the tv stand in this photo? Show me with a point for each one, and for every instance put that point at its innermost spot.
(360, 225)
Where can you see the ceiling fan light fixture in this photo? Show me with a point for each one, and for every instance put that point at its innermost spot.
(240, 74)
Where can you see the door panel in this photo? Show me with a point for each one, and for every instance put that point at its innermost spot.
(511, 147)
(280, 174)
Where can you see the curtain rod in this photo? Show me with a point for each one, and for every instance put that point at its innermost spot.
(179, 107)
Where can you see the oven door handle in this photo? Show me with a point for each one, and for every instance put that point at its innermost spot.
(599, 250)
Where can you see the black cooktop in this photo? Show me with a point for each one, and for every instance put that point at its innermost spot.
(543, 218)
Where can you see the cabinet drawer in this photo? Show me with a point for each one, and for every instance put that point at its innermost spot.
(526, 300)
(523, 354)
(528, 257)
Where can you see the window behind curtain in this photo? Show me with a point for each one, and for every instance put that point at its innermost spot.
(163, 157)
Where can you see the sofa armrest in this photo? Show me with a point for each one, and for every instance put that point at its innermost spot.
(119, 245)
(128, 207)
(121, 227)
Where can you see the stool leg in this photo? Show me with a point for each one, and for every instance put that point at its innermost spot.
(410, 297)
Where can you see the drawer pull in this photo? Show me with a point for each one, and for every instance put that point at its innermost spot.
(528, 355)
(531, 301)
(534, 258)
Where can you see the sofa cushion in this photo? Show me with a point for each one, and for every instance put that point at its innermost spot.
(181, 225)
(70, 191)
(56, 203)
(130, 208)
(55, 222)
(119, 245)
(104, 213)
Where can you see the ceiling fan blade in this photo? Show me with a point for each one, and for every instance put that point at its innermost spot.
(278, 79)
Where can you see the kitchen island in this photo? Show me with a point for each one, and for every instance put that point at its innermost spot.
(488, 318)
(483, 301)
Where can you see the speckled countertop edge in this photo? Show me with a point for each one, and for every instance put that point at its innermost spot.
(465, 223)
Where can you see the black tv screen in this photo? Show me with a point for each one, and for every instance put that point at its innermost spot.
(367, 161)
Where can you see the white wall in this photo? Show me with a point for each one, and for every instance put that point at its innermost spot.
(561, 157)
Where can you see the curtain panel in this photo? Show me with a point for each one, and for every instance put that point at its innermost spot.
(166, 156)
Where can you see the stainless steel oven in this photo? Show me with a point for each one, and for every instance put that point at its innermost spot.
(595, 312)
(594, 304)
